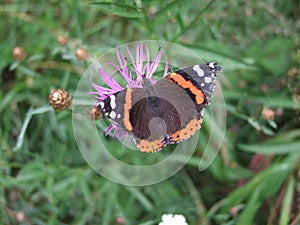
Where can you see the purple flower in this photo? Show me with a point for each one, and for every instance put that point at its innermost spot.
(139, 65)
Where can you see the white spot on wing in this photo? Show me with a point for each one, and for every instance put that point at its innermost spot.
(101, 104)
(207, 79)
(198, 70)
(113, 101)
(212, 65)
(119, 116)
(113, 114)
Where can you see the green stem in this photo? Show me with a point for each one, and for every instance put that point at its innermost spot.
(28, 117)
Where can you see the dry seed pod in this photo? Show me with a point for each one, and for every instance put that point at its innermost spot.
(59, 99)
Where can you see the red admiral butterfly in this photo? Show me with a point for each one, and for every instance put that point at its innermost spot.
(167, 112)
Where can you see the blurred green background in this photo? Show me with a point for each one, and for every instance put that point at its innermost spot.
(253, 180)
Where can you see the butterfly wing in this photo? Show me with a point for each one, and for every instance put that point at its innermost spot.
(183, 119)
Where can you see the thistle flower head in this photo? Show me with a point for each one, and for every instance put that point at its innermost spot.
(133, 66)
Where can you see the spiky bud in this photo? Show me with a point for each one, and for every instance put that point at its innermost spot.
(59, 99)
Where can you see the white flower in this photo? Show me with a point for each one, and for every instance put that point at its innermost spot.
(170, 219)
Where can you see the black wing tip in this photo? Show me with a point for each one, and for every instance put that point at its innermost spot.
(214, 67)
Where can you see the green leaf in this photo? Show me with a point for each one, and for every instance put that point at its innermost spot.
(287, 202)
(226, 59)
(249, 212)
(141, 197)
(273, 55)
(85, 189)
(28, 71)
(287, 136)
(162, 15)
(272, 148)
(277, 100)
(120, 9)
(65, 185)
(32, 172)
(264, 181)
(226, 173)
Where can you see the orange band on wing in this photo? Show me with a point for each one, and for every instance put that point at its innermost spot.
(177, 78)
(127, 108)
(188, 131)
(150, 146)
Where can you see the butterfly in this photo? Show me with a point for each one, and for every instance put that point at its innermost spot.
(165, 112)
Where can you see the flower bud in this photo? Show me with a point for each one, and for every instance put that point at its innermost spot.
(268, 114)
(62, 40)
(20, 216)
(82, 54)
(19, 53)
(120, 220)
(94, 113)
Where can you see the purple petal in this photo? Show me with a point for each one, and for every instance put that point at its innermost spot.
(139, 60)
(119, 58)
(136, 64)
(130, 139)
(125, 66)
(109, 80)
(154, 65)
(166, 66)
(109, 129)
(101, 92)
(129, 53)
(147, 66)
(116, 131)
(122, 136)
(124, 74)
